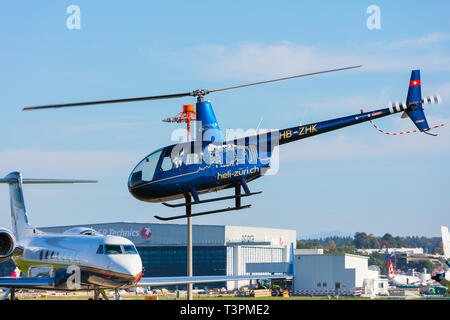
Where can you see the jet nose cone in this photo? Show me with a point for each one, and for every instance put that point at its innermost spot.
(128, 265)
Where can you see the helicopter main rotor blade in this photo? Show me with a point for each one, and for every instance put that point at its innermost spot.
(285, 78)
(76, 104)
(197, 93)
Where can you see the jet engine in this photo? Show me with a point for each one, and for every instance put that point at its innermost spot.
(7, 244)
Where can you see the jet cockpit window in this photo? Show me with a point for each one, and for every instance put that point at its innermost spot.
(113, 249)
(129, 249)
(100, 249)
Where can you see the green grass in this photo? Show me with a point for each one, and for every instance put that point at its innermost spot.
(142, 297)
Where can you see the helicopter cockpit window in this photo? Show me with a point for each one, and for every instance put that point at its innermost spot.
(177, 158)
(145, 170)
(193, 158)
(167, 163)
(172, 159)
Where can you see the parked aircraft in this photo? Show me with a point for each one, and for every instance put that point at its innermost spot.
(402, 279)
(445, 275)
(77, 259)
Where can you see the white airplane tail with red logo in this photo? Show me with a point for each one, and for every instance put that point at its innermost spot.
(391, 269)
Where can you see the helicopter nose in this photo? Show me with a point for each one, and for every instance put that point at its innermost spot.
(132, 180)
(138, 193)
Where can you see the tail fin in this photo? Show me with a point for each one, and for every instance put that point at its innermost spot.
(21, 226)
(446, 246)
(391, 269)
(414, 103)
(19, 218)
(291, 270)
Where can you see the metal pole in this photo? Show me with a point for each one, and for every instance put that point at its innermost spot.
(189, 245)
(189, 228)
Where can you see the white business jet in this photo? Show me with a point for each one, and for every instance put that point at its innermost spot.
(79, 258)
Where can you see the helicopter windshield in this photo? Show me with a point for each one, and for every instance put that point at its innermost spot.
(145, 170)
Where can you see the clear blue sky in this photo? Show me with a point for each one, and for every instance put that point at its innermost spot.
(355, 179)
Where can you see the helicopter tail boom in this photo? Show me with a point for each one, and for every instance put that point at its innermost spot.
(312, 129)
(411, 108)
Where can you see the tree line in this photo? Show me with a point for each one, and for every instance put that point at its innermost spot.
(361, 240)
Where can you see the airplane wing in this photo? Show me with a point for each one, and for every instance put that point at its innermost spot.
(163, 281)
(27, 283)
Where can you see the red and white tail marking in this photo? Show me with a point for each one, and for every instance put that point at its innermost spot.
(16, 273)
(391, 269)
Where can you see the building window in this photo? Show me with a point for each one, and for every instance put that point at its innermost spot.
(324, 284)
(319, 284)
(338, 285)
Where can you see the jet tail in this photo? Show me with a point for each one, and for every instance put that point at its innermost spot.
(391, 269)
(19, 218)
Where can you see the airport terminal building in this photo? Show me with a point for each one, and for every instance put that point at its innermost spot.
(217, 249)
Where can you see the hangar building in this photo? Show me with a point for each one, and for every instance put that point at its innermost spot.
(340, 273)
(217, 249)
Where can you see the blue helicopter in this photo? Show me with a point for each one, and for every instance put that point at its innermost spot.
(210, 163)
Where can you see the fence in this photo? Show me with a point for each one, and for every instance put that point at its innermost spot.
(354, 292)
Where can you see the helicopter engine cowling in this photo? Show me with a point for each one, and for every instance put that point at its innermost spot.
(7, 244)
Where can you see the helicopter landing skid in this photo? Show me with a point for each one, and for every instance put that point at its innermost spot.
(210, 200)
(203, 213)
(189, 203)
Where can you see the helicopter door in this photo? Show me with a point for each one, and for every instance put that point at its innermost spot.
(171, 161)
